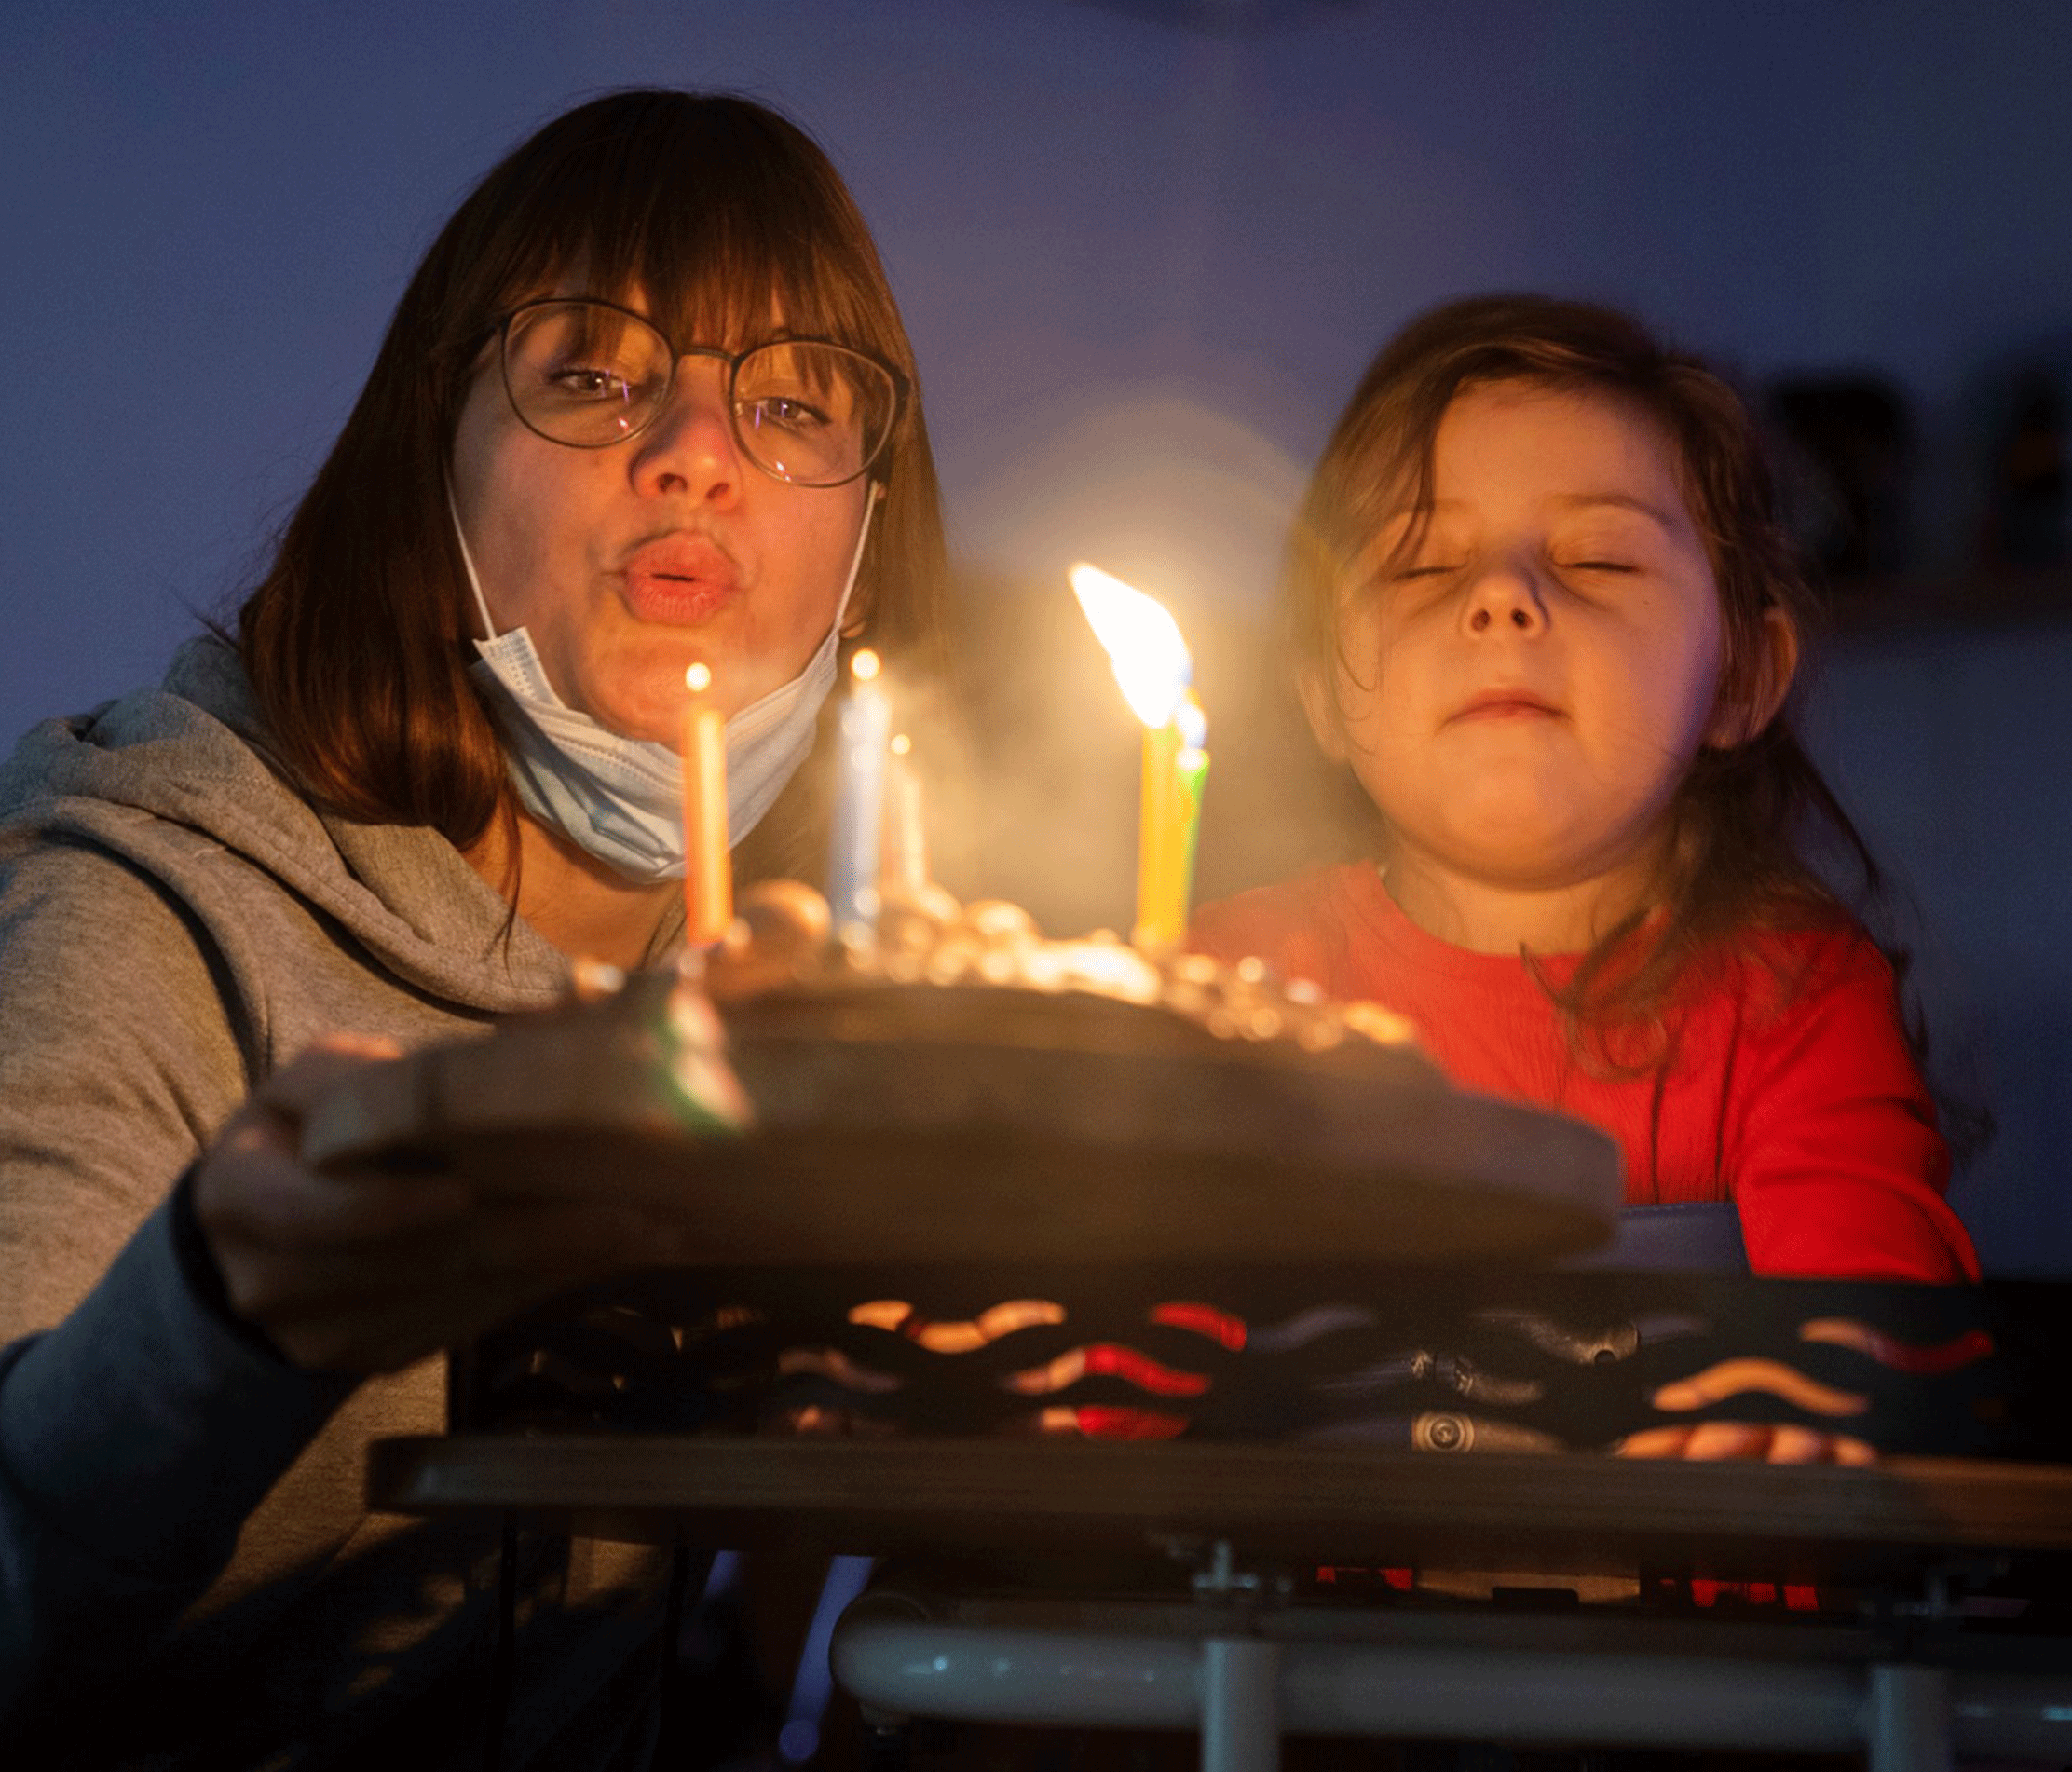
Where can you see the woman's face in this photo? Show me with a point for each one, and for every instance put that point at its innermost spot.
(631, 563)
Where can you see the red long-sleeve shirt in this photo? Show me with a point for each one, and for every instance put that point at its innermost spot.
(1792, 1091)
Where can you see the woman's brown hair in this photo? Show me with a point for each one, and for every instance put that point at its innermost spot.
(1748, 816)
(714, 208)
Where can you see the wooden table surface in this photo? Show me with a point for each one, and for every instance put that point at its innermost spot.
(1346, 1504)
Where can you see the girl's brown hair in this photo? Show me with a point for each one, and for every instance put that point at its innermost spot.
(1749, 816)
(715, 209)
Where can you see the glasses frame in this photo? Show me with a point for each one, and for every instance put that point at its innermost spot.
(902, 387)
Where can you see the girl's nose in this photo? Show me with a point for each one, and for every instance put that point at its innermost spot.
(1504, 594)
(691, 446)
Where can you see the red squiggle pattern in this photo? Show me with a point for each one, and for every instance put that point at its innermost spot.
(1204, 1320)
(1901, 1356)
(1105, 1423)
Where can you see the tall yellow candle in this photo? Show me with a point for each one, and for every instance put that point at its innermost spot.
(708, 860)
(1158, 841)
(1151, 667)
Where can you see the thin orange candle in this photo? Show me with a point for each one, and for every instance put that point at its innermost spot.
(708, 860)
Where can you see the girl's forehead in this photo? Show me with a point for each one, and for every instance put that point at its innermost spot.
(1532, 451)
(1554, 445)
(1523, 421)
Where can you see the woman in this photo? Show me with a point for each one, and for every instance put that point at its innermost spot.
(647, 402)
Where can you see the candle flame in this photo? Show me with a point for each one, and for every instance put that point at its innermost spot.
(901, 744)
(698, 679)
(1143, 643)
(864, 665)
(1193, 723)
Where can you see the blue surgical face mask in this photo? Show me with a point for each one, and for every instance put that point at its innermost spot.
(618, 799)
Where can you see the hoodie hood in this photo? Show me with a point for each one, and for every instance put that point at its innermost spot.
(168, 778)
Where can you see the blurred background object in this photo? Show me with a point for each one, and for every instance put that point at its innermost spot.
(1846, 461)
(2029, 521)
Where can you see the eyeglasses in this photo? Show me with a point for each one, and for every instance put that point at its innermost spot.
(590, 374)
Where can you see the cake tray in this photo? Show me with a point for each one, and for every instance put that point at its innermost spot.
(991, 1124)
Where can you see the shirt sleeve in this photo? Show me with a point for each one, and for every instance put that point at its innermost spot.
(138, 1426)
(1837, 1161)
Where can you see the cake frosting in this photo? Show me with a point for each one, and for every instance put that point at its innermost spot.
(782, 945)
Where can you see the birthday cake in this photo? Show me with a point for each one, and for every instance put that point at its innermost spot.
(933, 968)
(949, 1086)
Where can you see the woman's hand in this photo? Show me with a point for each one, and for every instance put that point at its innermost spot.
(364, 1272)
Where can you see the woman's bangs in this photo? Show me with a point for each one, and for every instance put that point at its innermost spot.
(723, 274)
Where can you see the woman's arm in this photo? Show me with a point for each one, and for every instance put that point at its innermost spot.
(177, 1344)
(138, 1425)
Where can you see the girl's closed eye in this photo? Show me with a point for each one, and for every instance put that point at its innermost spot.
(1601, 554)
(1428, 559)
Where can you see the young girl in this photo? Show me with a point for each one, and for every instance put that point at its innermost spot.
(1541, 609)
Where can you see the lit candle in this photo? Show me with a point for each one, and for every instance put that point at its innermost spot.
(905, 872)
(1189, 777)
(1152, 665)
(862, 734)
(1157, 838)
(708, 860)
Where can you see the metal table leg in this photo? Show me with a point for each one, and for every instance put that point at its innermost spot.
(1240, 1680)
(1908, 1721)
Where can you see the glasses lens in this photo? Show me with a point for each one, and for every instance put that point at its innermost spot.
(583, 374)
(815, 415)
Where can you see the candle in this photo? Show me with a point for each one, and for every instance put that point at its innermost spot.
(1153, 667)
(1189, 777)
(904, 870)
(1157, 839)
(708, 858)
(862, 733)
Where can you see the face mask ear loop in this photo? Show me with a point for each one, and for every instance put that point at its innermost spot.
(474, 578)
(855, 560)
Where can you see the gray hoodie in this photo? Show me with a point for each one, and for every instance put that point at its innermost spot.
(181, 1522)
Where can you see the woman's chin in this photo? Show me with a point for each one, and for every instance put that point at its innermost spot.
(656, 719)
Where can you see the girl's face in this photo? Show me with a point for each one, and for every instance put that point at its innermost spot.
(1521, 691)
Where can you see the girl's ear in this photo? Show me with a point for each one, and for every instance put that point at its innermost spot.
(1740, 718)
(1320, 703)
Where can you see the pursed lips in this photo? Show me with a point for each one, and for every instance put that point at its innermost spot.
(679, 578)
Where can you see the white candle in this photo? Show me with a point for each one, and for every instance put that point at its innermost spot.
(904, 870)
(862, 733)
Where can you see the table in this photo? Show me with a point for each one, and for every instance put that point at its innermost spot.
(1921, 1677)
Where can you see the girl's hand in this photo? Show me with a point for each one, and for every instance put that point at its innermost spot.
(1774, 1443)
(366, 1271)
